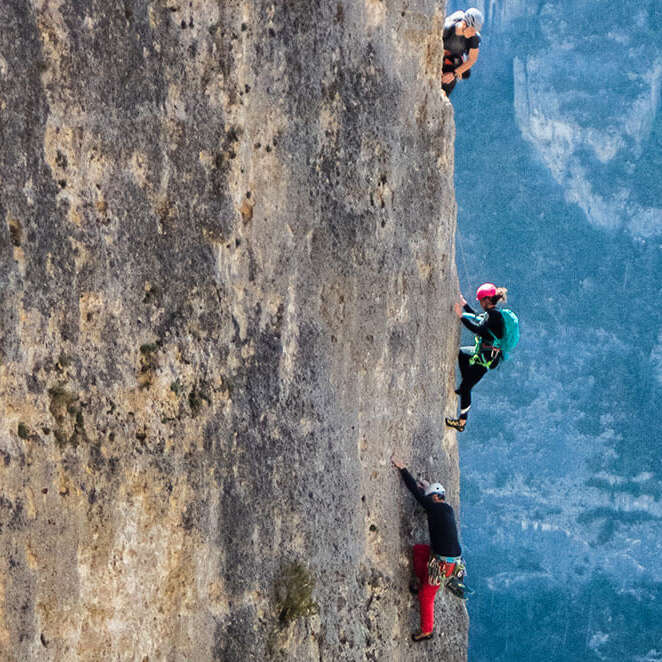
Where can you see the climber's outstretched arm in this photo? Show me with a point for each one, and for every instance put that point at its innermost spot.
(410, 482)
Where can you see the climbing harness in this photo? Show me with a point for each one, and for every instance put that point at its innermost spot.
(440, 568)
(450, 572)
(451, 62)
(500, 346)
(478, 357)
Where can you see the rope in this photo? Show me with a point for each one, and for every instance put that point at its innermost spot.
(458, 236)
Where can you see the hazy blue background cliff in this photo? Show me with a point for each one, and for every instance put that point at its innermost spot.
(558, 156)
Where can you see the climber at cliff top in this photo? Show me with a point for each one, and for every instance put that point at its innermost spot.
(497, 333)
(461, 38)
(440, 559)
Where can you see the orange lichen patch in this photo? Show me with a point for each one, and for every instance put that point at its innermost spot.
(66, 487)
(31, 558)
(246, 210)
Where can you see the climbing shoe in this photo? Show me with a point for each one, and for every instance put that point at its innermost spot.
(456, 423)
(420, 636)
(456, 588)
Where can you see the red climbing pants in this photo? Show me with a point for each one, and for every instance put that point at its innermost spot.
(427, 591)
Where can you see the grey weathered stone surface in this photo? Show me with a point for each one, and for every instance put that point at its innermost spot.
(227, 273)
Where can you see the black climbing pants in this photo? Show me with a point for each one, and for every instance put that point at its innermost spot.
(471, 375)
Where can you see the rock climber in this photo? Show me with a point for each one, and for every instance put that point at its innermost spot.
(475, 361)
(461, 46)
(443, 553)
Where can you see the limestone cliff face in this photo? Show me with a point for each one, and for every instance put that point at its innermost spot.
(227, 273)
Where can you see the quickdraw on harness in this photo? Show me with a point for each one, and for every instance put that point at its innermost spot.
(449, 571)
(441, 568)
(460, 569)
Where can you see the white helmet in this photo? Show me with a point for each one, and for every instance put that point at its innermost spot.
(473, 18)
(435, 488)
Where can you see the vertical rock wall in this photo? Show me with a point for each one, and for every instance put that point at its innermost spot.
(226, 278)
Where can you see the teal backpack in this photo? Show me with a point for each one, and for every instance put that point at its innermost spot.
(505, 345)
(510, 333)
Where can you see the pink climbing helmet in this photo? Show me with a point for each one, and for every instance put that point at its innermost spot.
(485, 290)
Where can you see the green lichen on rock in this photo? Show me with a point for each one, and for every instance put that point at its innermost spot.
(196, 397)
(294, 589)
(148, 349)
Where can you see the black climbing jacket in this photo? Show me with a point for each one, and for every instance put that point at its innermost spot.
(441, 520)
(455, 45)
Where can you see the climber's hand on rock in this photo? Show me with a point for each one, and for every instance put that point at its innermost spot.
(458, 309)
(397, 463)
(447, 77)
